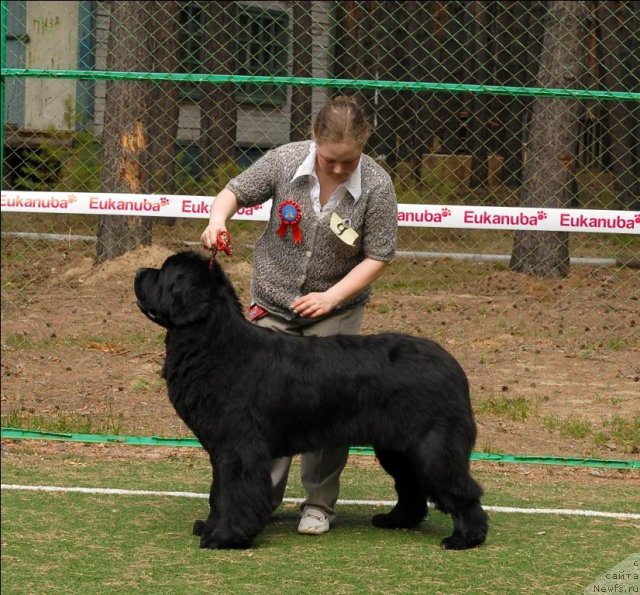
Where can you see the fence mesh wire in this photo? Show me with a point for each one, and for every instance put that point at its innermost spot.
(490, 135)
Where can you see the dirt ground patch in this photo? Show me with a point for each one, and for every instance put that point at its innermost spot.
(554, 366)
(28, 453)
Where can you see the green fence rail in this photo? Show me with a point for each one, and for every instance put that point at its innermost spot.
(17, 434)
(416, 87)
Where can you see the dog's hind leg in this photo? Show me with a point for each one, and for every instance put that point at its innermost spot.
(470, 526)
(411, 508)
(242, 499)
(443, 465)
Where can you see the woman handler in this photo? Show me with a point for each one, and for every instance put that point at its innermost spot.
(331, 232)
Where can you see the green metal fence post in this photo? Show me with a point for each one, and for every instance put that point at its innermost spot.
(4, 9)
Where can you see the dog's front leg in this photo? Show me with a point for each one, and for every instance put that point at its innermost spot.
(242, 499)
(202, 527)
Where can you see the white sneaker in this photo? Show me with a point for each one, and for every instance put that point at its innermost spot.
(313, 522)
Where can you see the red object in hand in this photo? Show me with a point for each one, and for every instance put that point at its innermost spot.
(223, 242)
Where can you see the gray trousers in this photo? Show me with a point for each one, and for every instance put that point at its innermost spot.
(320, 470)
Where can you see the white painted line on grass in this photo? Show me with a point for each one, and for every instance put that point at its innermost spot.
(564, 511)
(103, 491)
(505, 509)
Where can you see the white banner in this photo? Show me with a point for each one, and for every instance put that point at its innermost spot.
(409, 215)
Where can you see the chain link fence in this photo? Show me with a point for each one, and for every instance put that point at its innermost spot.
(485, 104)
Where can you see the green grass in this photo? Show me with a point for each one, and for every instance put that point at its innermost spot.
(63, 421)
(622, 431)
(570, 427)
(516, 408)
(19, 341)
(83, 544)
(77, 543)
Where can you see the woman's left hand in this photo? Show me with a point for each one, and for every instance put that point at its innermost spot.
(314, 305)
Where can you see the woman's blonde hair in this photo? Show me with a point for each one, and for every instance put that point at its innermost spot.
(341, 120)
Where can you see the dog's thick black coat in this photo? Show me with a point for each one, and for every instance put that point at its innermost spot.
(251, 394)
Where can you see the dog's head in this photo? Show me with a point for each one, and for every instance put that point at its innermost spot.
(179, 293)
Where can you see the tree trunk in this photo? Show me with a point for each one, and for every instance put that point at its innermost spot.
(302, 42)
(125, 137)
(163, 101)
(620, 30)
(422, 60)
(452, 62)
(218, 108)
(347, 51)
(550, 162)
(405, 126)
(480, 74)
(164, 109)
(519, 32)
(380, 66)
(422, 127)
(354, 53)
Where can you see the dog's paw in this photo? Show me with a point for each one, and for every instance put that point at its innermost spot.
(199, 528)
(459, 542)
(214, 541)
(396, 521)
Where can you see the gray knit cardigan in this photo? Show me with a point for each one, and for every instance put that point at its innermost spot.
(284, 270)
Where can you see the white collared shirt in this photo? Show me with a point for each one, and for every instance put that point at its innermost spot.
(352, 184)
(284, 269)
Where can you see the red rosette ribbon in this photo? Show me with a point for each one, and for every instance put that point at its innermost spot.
(290, 213)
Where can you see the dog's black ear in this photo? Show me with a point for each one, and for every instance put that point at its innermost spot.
(189, 302)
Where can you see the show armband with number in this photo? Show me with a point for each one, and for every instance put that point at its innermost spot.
(342, 228)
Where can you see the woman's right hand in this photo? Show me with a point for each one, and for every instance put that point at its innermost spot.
(209, 236)
(223, 207)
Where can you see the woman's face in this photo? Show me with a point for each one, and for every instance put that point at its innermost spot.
(338, 160)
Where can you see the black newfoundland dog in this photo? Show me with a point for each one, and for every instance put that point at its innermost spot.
(250, 394)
